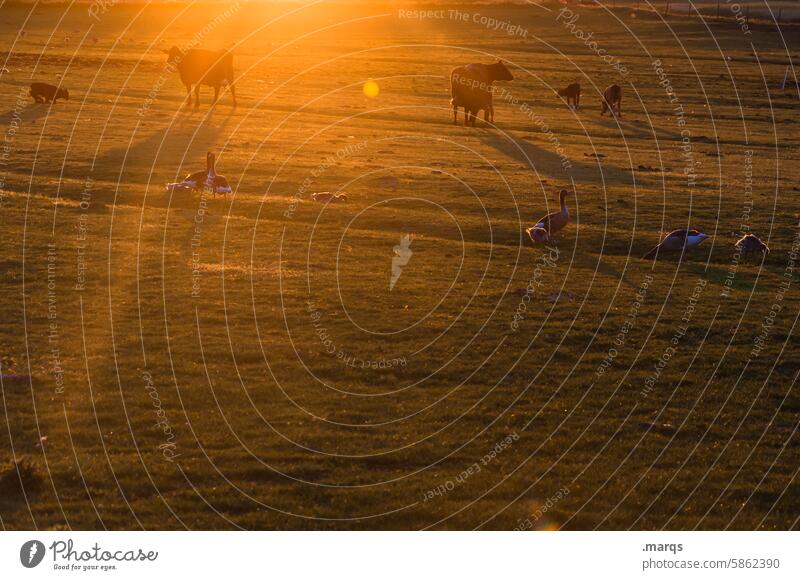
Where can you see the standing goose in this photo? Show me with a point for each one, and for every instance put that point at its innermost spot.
(677, 241)
(555, 222)
(214, 182)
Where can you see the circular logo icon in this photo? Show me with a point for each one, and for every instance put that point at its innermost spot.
(31, 553)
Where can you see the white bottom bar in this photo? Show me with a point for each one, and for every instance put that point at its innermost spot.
(403, 555)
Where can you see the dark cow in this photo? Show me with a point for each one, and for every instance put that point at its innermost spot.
(573, 93)
(471, 88)
(612, 99)
(44, 93)
(203, 67)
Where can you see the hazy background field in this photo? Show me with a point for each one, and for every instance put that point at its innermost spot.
(212, 382)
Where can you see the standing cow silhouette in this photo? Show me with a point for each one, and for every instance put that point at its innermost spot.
(471, 87)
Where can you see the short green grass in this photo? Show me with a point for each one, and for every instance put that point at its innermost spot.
(255, 360)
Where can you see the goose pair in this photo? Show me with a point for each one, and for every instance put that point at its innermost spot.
(552, 223)
(207, 180)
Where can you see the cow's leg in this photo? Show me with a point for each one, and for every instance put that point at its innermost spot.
(188, 102)
(197, 95)
(455, 114)
(233, 91)
(216, 94)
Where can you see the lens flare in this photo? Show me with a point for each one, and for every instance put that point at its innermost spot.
(371, 89)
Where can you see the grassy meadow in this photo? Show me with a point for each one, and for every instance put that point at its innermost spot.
(185, 361)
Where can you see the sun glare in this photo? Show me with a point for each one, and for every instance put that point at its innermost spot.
(371, 89)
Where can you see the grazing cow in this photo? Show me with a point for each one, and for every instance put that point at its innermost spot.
(471, 88)
(612, 98)
(573, 93)
(44, 93)
(202, 67)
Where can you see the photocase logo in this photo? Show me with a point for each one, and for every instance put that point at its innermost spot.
(31, 553)
(402, 255)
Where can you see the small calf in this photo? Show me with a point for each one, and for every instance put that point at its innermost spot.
(612, 99)
(44, 93)
(572, 93)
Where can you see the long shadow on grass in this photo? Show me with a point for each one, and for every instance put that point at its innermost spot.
(32, 112)
(184, 142)
(545, 161)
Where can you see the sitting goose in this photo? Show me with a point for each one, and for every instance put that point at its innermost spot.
(328, 197)
(555, 222)
(677, 241)
(750, 243)
(207, 180)
(191, 182)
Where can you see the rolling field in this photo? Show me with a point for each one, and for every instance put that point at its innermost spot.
(256, 361)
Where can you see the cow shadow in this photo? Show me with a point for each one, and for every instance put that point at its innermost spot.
(183, 144)
(619, 276)
(32, 112)
(546, 161)
(633, 131)
(642, 129)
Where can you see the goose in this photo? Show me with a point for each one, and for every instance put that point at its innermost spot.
(750, 243)
(189, 183)
(677, 241)
(328, 197)
(207, 180)
(555, 222)
(538, 235)
(214, 182)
